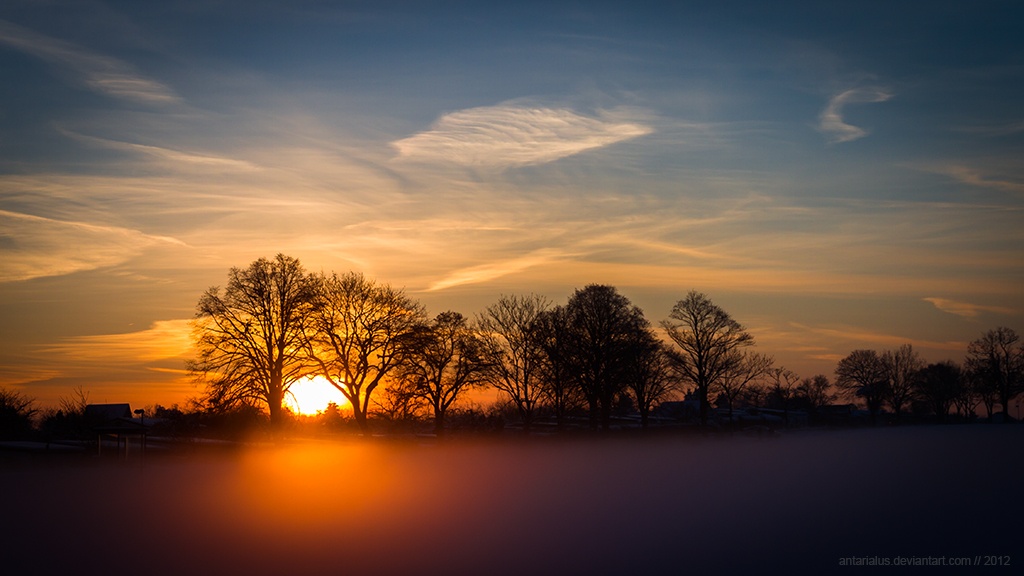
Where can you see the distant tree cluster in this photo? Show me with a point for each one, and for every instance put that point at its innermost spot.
(898, 379)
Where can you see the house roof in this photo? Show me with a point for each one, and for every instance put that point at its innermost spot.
(108, 412)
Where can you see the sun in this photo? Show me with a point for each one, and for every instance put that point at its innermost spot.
(312, 394)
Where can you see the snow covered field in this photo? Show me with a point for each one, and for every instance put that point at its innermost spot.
(795, 504)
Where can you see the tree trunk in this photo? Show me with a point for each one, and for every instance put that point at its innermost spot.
(439, 423)
(360, 416)
(703, 395)
(606, 413)
(275, 398)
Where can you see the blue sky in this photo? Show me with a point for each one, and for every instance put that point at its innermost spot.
(835, 176)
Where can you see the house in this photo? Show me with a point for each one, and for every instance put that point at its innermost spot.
(115, 420)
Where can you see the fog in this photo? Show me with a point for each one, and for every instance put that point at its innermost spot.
(601, 506)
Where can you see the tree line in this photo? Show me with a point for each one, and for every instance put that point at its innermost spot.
(993, 373)
(275, 323)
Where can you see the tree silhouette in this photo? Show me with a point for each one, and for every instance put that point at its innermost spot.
(862, 374)
(604, 332)
(783, 388)
(250, 338)
(397, 402)
(359, 336)
(997, 362)
(445, 361)
(940, 384)
(706, 337)
(967, 397)
(649, 376)
(901, 367)
(16, 414)
(816, 392)
(746, 368)
(513, 351)
(559, 389)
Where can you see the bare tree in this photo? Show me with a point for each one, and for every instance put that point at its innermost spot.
(816, 392)
(706, 337)
(513, 350)
(783, 385)
(559, 390)
(746, 369)
(940, 384)
(997, 361)
(444, 363)
(250, 338)
(901, 368)
(359, 334)
(862, 375)
(649, 376)
(967, 398)
(604, 329)
(16, 414)
(397, 402)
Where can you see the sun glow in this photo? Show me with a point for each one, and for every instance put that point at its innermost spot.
(312, 394)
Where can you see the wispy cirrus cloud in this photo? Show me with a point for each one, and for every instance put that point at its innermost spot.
(164, 339)
(830, 121)
(855, 334)
(512, 135)
(966, 309)
(994, 130)
(485, 272)
(968, 175)
(34, 246)
(100, 73)
(177, 157)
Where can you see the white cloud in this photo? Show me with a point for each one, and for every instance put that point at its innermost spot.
(100, 73)
(33, 246)
(966, 309)
(830, 122)
(513, 136)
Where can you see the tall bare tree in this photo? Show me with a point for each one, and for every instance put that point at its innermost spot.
(940, 384)
(445, 362)
(997, 361)
(250, 337)
(706, 338)
(604, 330)
(901, 368)
(861, 374)
(782, 387)
(559, 389)
(649, 375)
(513, 350)
(967, 398)
(359, 336)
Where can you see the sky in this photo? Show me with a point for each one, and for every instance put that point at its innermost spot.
(836, 175)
